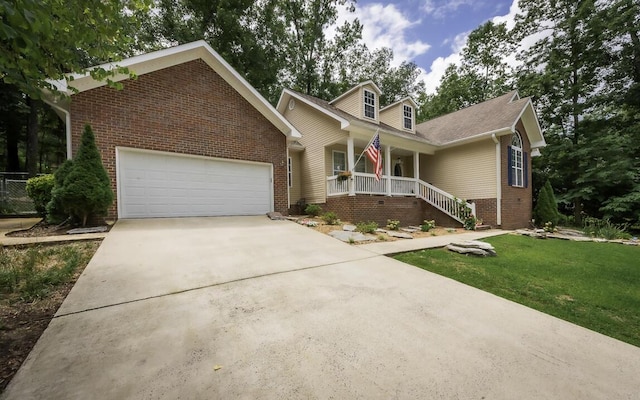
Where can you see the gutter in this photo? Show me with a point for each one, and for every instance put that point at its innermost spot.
(498, 180)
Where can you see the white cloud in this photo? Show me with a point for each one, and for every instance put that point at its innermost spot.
(440, 64)
(441, 8)
(385, 26)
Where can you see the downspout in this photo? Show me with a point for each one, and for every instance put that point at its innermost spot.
(498, 180)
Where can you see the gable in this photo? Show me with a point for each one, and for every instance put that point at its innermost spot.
(394, 114)
(353, 101)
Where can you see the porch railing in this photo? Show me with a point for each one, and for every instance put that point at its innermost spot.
(400, 186)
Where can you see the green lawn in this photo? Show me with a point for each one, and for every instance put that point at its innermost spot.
(595, 285)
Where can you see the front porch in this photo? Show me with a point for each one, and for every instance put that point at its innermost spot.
(359, 183)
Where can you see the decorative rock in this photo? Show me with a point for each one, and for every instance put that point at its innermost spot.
(349, 228)
(275, 216)
(472, 247)
(400, 235)
(409, 230)
(96, 229)
(417, 228)
(380, 230)
(351, 236)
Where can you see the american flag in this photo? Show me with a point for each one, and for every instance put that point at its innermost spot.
(375, 155)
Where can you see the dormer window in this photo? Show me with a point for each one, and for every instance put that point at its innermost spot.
(407, 112)
(369, 104)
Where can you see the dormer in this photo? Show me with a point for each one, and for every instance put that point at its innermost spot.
(361, 101)
(400, 115)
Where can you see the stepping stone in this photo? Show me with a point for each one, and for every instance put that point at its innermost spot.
(410, 230)
(349, 228)
(380, 230)
(400, 235)
(351, 236)
(96, 229)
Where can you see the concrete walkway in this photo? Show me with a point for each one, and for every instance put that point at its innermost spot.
(246, 308)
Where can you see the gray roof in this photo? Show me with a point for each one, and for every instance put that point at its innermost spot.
(489, 116)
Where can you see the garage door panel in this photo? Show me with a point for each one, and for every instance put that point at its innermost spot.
(167, 185)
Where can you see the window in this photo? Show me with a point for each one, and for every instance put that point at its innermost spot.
(290, 171)
(361, 166)
(339, 162)
(516, 161)
(369, 104)
(408, 117)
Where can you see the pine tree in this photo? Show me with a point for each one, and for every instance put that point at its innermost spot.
(546, 209)
(86, 190)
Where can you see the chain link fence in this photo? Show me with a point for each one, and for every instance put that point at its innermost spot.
(13, 194)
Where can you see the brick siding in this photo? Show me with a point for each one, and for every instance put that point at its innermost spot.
(516, 201)
(186, 109)
(407, 210)
(486, 210)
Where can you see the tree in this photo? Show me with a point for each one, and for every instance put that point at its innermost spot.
(86, 189)
(563, 68)
(546, 209)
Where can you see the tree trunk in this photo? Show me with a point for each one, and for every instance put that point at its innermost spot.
(32, 137)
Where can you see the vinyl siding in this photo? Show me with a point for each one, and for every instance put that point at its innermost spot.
(295, 191)
(467, 172)
(318, 131)
(351, 104)
(392, 116)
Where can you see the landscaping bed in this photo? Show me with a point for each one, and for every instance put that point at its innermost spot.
(34, 281)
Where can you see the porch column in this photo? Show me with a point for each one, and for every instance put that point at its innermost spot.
(387, 167)
(350, 166)
(416, 172)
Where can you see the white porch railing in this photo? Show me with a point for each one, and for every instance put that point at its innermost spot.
(367, 184)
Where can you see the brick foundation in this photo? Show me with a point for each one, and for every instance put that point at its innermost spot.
(187, 109)
(407, 210)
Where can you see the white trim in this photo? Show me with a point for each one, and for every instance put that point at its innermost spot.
(413, 117)
(515, 97)
(344, 124)
(151, 62)
(528, 104)
(356, 87)
(376, 98)
(169, 153)
(498, 180)
(408, 98)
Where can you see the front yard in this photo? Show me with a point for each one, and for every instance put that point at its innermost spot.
(594, 285)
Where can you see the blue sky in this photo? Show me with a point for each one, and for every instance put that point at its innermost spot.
(429, 32)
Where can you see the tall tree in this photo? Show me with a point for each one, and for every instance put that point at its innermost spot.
(565, 64)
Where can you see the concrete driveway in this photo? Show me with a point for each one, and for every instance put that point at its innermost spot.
(247, 308)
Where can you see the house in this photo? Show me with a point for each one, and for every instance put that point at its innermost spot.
(188, 137)
(481, 154)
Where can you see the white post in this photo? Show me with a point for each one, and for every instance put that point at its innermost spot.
(416, 172)
(387, 167)
(351, 166)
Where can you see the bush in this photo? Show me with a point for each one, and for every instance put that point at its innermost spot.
(86, 190)
(331, 218)
(546, 209)
(393, 224)
(366, 227)
(470, 222)
(54, 209)
(313, 209)
(39, 190)
(427, 225)
(604, 228)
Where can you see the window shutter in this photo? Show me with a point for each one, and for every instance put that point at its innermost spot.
(525, 168)
(509, 168)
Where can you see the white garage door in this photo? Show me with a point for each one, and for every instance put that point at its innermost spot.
(153, 184)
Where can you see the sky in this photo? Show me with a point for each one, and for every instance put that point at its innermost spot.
(429, 32)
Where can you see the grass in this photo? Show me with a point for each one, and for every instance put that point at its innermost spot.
(594, 285)
(30, 274)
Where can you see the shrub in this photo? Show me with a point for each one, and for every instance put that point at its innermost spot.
(54, 209)
(331, 218)
(604, 228)
(427, 225)
(86, 189)
(470, 222)
(39, 190)
(546, 209)
(366, 227)
(393, 224)
(313, 209)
